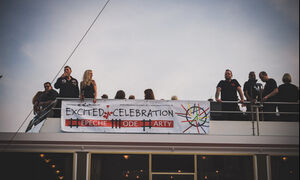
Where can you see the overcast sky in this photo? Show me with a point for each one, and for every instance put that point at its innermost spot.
(175, 47)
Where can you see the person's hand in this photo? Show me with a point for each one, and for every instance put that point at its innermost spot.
(94, 100)
(265, 99)
(219, 100)
(253, 101)
(64, 74)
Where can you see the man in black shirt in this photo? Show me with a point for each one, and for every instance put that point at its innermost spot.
(229, 88)
(68, 87)
(251, 91)
(46, 98)
(269, 95)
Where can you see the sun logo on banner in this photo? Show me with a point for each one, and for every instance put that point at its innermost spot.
(196, 117)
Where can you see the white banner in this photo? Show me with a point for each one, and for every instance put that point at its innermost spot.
(136, 116)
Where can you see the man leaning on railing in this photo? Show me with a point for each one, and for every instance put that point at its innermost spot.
(228, 89)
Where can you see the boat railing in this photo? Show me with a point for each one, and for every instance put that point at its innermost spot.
(249, 111)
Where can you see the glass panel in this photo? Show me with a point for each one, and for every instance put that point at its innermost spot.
(173, 163)
(119, 167)
(172, 177)
(225, 167)
(285, 167)
(36, 166)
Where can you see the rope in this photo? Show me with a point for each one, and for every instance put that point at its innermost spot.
(78, 44)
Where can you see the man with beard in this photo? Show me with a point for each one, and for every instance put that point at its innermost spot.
(269, 95)
(68, 87)
(46, 98)
(251, 90)
(228, 89)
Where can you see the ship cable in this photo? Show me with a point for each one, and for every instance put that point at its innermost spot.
(78, 44)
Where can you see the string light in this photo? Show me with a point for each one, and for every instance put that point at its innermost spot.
(47, 160)
(57, 171)
(203, 157)
(138, 177)
(60, 177)
(217, 171)
(179, 171)
(171, 177)
(42, 155)
(205, 177)
(284, 158)
(53, 166)
(126, 157)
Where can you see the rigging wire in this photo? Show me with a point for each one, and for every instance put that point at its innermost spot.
(78, 44)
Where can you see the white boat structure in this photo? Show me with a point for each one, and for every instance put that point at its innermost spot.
(239, 149)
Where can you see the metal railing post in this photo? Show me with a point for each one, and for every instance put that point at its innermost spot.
(257, 119)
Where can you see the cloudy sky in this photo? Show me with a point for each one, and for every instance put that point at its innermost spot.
(175, 47)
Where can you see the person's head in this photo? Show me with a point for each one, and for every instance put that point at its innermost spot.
(263, 76)
(228, 74)
(149, 94)
(286, 78)
(68, 70)
(131, 97)
(47, 86)
(174, 98)
(87, 77)
(120, 94)
(252, 75)
(104, 96)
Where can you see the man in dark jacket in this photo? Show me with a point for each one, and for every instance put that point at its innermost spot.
(68, 87)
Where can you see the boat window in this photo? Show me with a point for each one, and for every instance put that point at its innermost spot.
(173, 163)
(36, 166)
(285, 167)
(119, 166)
(172, 177)
(225, 167)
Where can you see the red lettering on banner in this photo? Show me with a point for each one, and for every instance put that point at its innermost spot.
(124, 123)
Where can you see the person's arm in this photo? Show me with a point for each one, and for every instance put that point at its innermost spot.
(273, 93)
(218, 90)
(247, 95)
(241, 94)
(57, 84)
(95, 89)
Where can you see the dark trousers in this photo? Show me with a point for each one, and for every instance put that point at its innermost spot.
(231, 107)
(270, 108)
(293, 108)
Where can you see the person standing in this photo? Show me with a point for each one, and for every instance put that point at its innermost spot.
(251, 91)
(269, 95)
(68, 87)
(46, 98)
(288, 92)
(228, 89)
(88, 87)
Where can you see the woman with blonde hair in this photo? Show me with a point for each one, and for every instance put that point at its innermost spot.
(88, 87)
